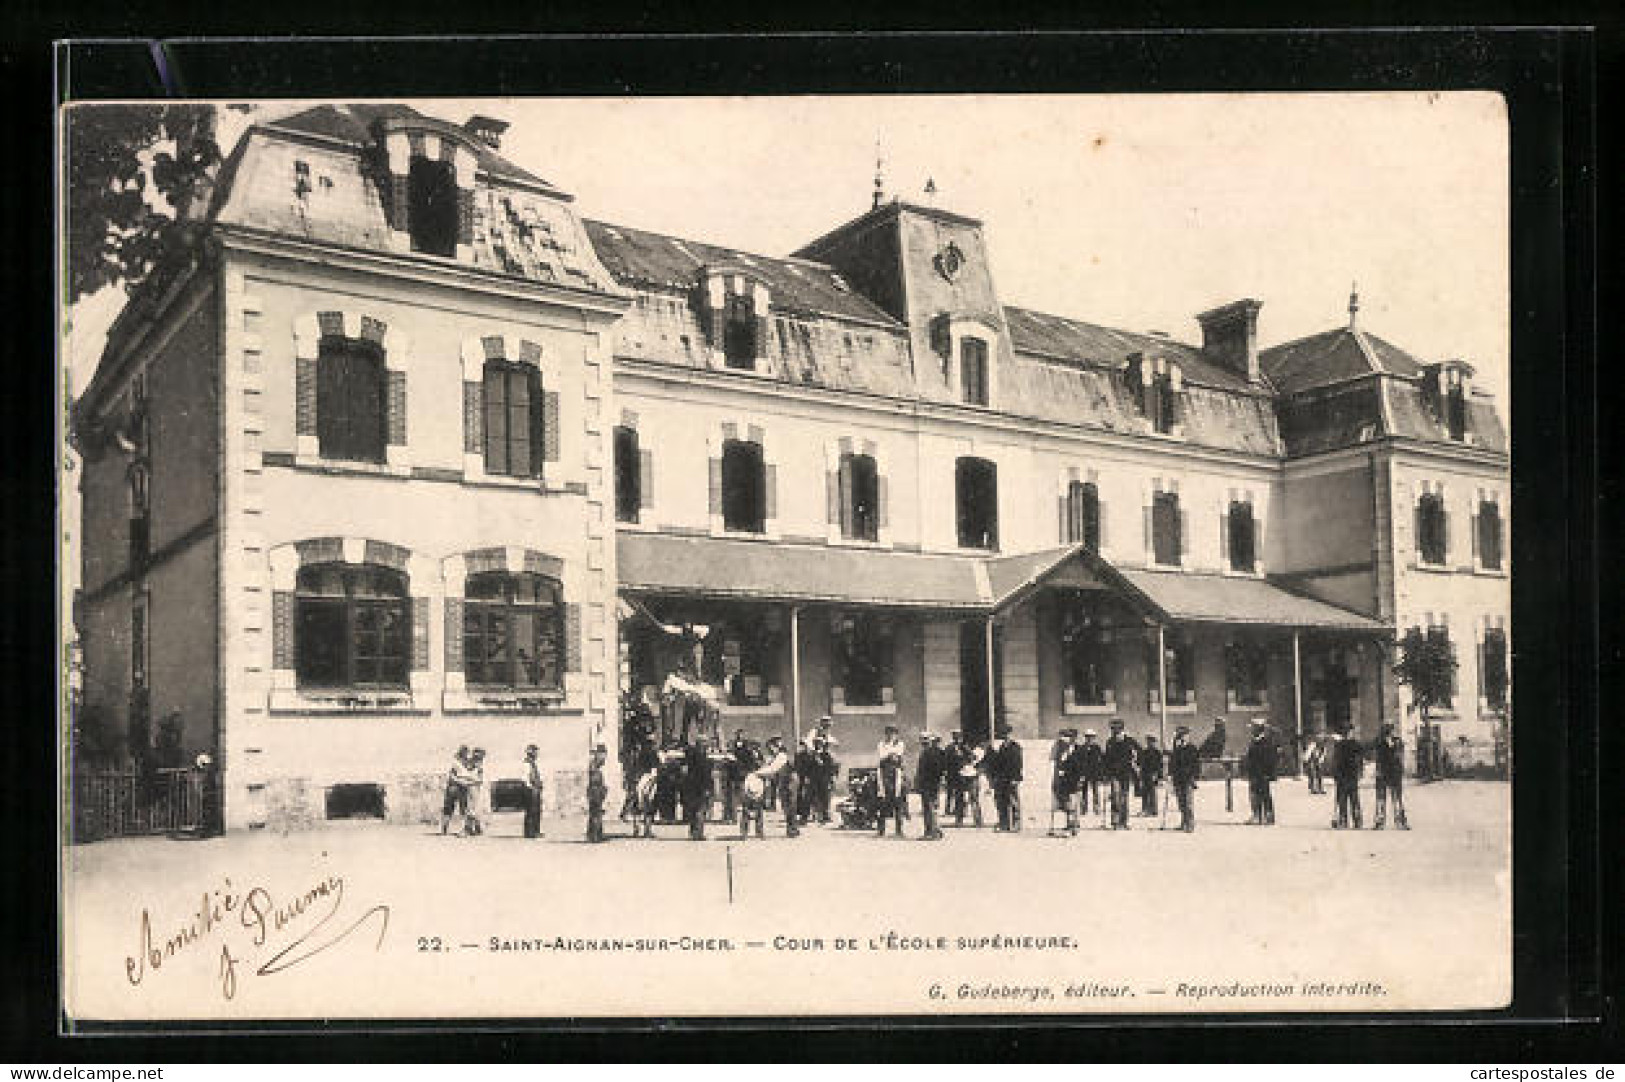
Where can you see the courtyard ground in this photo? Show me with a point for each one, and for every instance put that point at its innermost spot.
(362, 919)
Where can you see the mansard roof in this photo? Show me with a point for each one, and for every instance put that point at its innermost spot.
(1073, 340)
(640, 259)
(354, 124)
(1334, 356)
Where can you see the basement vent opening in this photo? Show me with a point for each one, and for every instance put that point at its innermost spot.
(509, 794)
(362, 801)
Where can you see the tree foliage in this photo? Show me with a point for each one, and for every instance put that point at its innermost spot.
(132, 172)
(1427, 665)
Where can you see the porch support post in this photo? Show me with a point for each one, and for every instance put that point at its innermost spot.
(1162, 688)
(795, 677)
(992, 690)
(1297, 698)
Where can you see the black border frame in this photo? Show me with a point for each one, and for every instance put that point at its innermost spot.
(1549, 79)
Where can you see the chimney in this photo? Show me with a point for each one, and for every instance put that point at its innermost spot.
(1230, 337)
(486, 129)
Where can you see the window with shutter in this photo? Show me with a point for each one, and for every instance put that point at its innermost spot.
(739, 335)
(976, 490)
(744, 487)
(860, 517)
(513, 633)
(973, 371)
(352, 626)
(1242, 550)
(1432, 541)
(432, 206)
(513, 419)
(1489, 535)
(628, 475)
(1167, 529)
(1083, 514)
(1493, 668)
(351, 405)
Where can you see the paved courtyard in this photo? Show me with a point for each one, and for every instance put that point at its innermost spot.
(1232, 917)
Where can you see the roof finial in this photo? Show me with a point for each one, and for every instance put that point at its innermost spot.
(880, 174)
(930, 192)
(1354, 303)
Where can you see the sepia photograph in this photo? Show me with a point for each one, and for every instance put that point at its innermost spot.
(819, 556)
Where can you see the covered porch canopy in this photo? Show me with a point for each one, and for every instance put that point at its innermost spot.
(962, 585)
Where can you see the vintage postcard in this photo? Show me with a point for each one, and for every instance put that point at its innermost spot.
(815, 556)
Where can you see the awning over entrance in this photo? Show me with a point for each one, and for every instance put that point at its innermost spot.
(766, 571)
(769, 571)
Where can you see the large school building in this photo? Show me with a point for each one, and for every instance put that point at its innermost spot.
(408, 455)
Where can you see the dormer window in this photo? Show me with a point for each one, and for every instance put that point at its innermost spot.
(1156, 385)
(432, 206)
(1446, 388)
(739, 332)
(1455, 412)
(973, 371)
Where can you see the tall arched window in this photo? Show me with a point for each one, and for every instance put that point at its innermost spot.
(432, 206)
(1243, 547)
(354, 626)
(1432, 536)
(513, 631)
(1083, 514)
(976, 489)
(744, 486)
(351, 409)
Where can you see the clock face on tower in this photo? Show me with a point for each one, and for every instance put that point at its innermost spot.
(949, 261)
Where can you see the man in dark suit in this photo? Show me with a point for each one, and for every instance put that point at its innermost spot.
(1348, 761)
(928, 775)
(1068, 776)
(1118, 758)
(1259, 762)
(1004, 772)
(1390, 758)
(1089, 771)
(1184, 765)
(696, 785)
(1150, 775)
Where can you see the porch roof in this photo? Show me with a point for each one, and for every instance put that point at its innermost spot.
(776, 571)
(1223, 599)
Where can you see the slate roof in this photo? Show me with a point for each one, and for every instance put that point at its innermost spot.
(1222, 599)
(353, 124)
(1089, 343)
(719, 567)
(1331, 357)
(641, 259)
(752, 570)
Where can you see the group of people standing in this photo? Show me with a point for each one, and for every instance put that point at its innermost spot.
(677, 781)
(1341, 754)
(1125, 770)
